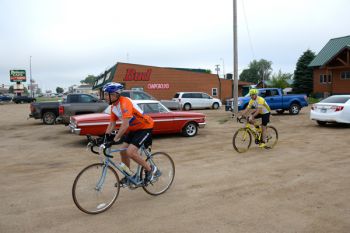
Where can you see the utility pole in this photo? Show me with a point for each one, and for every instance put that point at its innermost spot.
(223, 68)
(235, 60)
(217, 69)
(263, 80)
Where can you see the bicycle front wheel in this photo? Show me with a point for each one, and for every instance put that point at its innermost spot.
(96, 188)
(166, 167)
(271, 136)
(242, 140)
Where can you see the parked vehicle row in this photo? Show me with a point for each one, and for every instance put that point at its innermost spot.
(5, 98)
(17, 99)
(87, 114)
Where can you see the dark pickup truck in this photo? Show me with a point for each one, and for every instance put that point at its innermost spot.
(47, 111)
(77, 104)
(59, 112)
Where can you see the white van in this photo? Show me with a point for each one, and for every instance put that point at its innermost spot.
(196, 100)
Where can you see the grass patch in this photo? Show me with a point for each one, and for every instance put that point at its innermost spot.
(47, 99)
(313, 100)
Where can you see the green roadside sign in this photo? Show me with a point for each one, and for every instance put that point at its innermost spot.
(18, 76)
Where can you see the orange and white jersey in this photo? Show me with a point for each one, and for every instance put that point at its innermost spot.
(125, 108)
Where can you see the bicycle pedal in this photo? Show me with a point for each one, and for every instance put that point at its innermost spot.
(123, 185)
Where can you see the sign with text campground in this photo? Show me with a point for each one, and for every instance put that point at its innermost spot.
(17, 75)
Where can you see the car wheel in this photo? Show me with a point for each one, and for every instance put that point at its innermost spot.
(190, 129)
(281, 111)
(321, 123)
(294, 109)
(49, 118)
(187, 107)
(215, 105)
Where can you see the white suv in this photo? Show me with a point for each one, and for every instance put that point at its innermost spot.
(196, 100)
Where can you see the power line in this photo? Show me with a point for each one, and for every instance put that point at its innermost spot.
(248, 31)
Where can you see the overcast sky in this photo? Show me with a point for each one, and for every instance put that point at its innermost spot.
(70, 39)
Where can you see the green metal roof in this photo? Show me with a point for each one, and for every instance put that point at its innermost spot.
(104, 78)
(331, 49)
(191, 70)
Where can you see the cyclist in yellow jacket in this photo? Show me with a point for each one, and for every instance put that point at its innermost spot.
(261, 110)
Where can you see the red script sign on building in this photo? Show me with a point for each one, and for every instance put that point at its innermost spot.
(132, 75)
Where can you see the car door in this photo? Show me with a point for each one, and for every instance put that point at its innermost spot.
(206, 101)
(186, 98)
(272, 98)
(268, 98)
(197, 100)
(162, 117)
(87, 104)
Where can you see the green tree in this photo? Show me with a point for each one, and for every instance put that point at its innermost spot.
(303, 81)
(38, 91)
(90, 79)
(257, 71)
(11, 89)
(281, 80)
(25, 90)
(59, 90)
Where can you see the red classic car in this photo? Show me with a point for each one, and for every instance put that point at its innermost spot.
(165, 121)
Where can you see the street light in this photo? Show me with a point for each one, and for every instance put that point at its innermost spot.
(30, 73)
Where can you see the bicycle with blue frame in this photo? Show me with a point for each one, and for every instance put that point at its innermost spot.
(97, 186)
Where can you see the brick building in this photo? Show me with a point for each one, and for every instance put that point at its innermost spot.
(331, 68)
(163, 83)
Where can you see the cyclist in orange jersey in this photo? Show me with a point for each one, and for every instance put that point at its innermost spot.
(135, 127)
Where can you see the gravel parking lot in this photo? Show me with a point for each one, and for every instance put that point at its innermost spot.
(302, 185)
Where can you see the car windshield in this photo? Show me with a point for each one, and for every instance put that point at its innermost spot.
(107, 110)
(336, 99)
(146, 108)
(153, 107)
(142, 96)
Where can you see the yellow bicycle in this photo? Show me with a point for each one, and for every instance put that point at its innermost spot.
(242, 139)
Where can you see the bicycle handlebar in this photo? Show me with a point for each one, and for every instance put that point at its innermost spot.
(241, 119)
(107, 142)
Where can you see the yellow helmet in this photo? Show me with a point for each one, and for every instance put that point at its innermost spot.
(253, 91)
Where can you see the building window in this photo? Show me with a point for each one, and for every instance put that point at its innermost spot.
(345, 75)
(214, 91)
(137, 88)
(325, 78)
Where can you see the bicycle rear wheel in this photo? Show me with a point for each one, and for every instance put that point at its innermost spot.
(242, 140)
(271, 136)
(166, 167)
(96, 188)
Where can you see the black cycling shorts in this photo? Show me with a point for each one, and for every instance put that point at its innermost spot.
(265, 118)
(139, 137)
